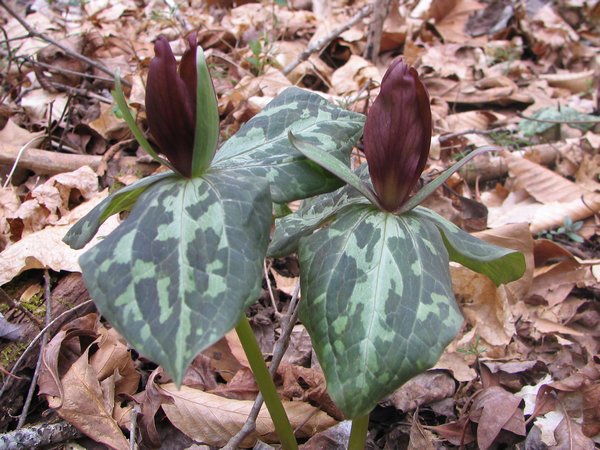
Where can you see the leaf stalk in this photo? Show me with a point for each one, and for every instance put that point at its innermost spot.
(358, 433)
(283, 428)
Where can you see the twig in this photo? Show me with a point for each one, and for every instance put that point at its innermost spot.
(35, 340)
(48, 301)
(381, 9)
(325, 40)
(270, 289)
(44, 161)
(287, 324)
(32, 32)
(133, 432)
(58, 69)
(448, 136)
(39, 435)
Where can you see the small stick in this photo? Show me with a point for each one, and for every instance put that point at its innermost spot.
(46, 162)
(381, 11)
(325, 40)
(48, 301)
(14, 304)
(32, 32)
(287, 324)
(270, 289)
(39, 435)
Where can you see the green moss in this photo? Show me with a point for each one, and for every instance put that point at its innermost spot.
(11, 353)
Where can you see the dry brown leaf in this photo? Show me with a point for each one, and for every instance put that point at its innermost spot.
(553, 283)
(88, 405)
(45, 248)
(550, 198)
(334, 438)
(214, 420)
(452, 16)
(13, 134)
(456, 363)
(517, 237)
(353, 75)
(485, 306)
(426, 388)
(496, 410)
(569, 436)
(573, 81)
(420, 438)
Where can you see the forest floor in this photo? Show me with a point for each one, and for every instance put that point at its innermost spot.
(524, 371)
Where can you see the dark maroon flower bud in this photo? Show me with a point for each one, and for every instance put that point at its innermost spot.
(397, 135)
(171, 103)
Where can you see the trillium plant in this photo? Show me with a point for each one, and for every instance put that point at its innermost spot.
(180, 271)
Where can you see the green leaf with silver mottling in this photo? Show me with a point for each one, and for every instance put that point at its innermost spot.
(501, 265)
(122, 200)
(377, 302)
(180, 271)
(312, 214)
(261, 146)
(333, 165)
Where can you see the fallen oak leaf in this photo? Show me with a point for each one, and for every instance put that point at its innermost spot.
(496, 410)
(213, 420)
(84, 404)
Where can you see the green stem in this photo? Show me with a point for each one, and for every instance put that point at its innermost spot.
(265, 384)
(358, 435)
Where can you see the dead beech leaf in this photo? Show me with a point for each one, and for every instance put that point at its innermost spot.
(569, 436)
(426, 388)
(484, 305)
(420, 438)
(213, 420)
(451, 18)
(45, 248)
(457, 365)
(496, 410)
(13, 134)
(560, 197)
(353, 75)
(84, 404)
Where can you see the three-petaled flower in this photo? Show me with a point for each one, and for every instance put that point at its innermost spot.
(171, 104)
(397, 135)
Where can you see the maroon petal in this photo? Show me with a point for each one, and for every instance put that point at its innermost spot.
(170, 108)
(397, 135)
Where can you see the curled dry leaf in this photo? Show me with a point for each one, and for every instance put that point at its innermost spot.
(214, 420)
(426, 388)
(550, 198)
(45, 248)
(84, 389)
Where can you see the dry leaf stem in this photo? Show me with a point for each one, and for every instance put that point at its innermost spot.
(321, 43)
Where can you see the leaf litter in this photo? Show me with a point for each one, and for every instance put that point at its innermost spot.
(519, 76)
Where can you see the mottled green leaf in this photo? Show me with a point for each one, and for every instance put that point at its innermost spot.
(546, 118)
(333, 165)
(501, 265)
(261, 146)
(312, 214)
(180, 271)
(122, 200)
(377, 302)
